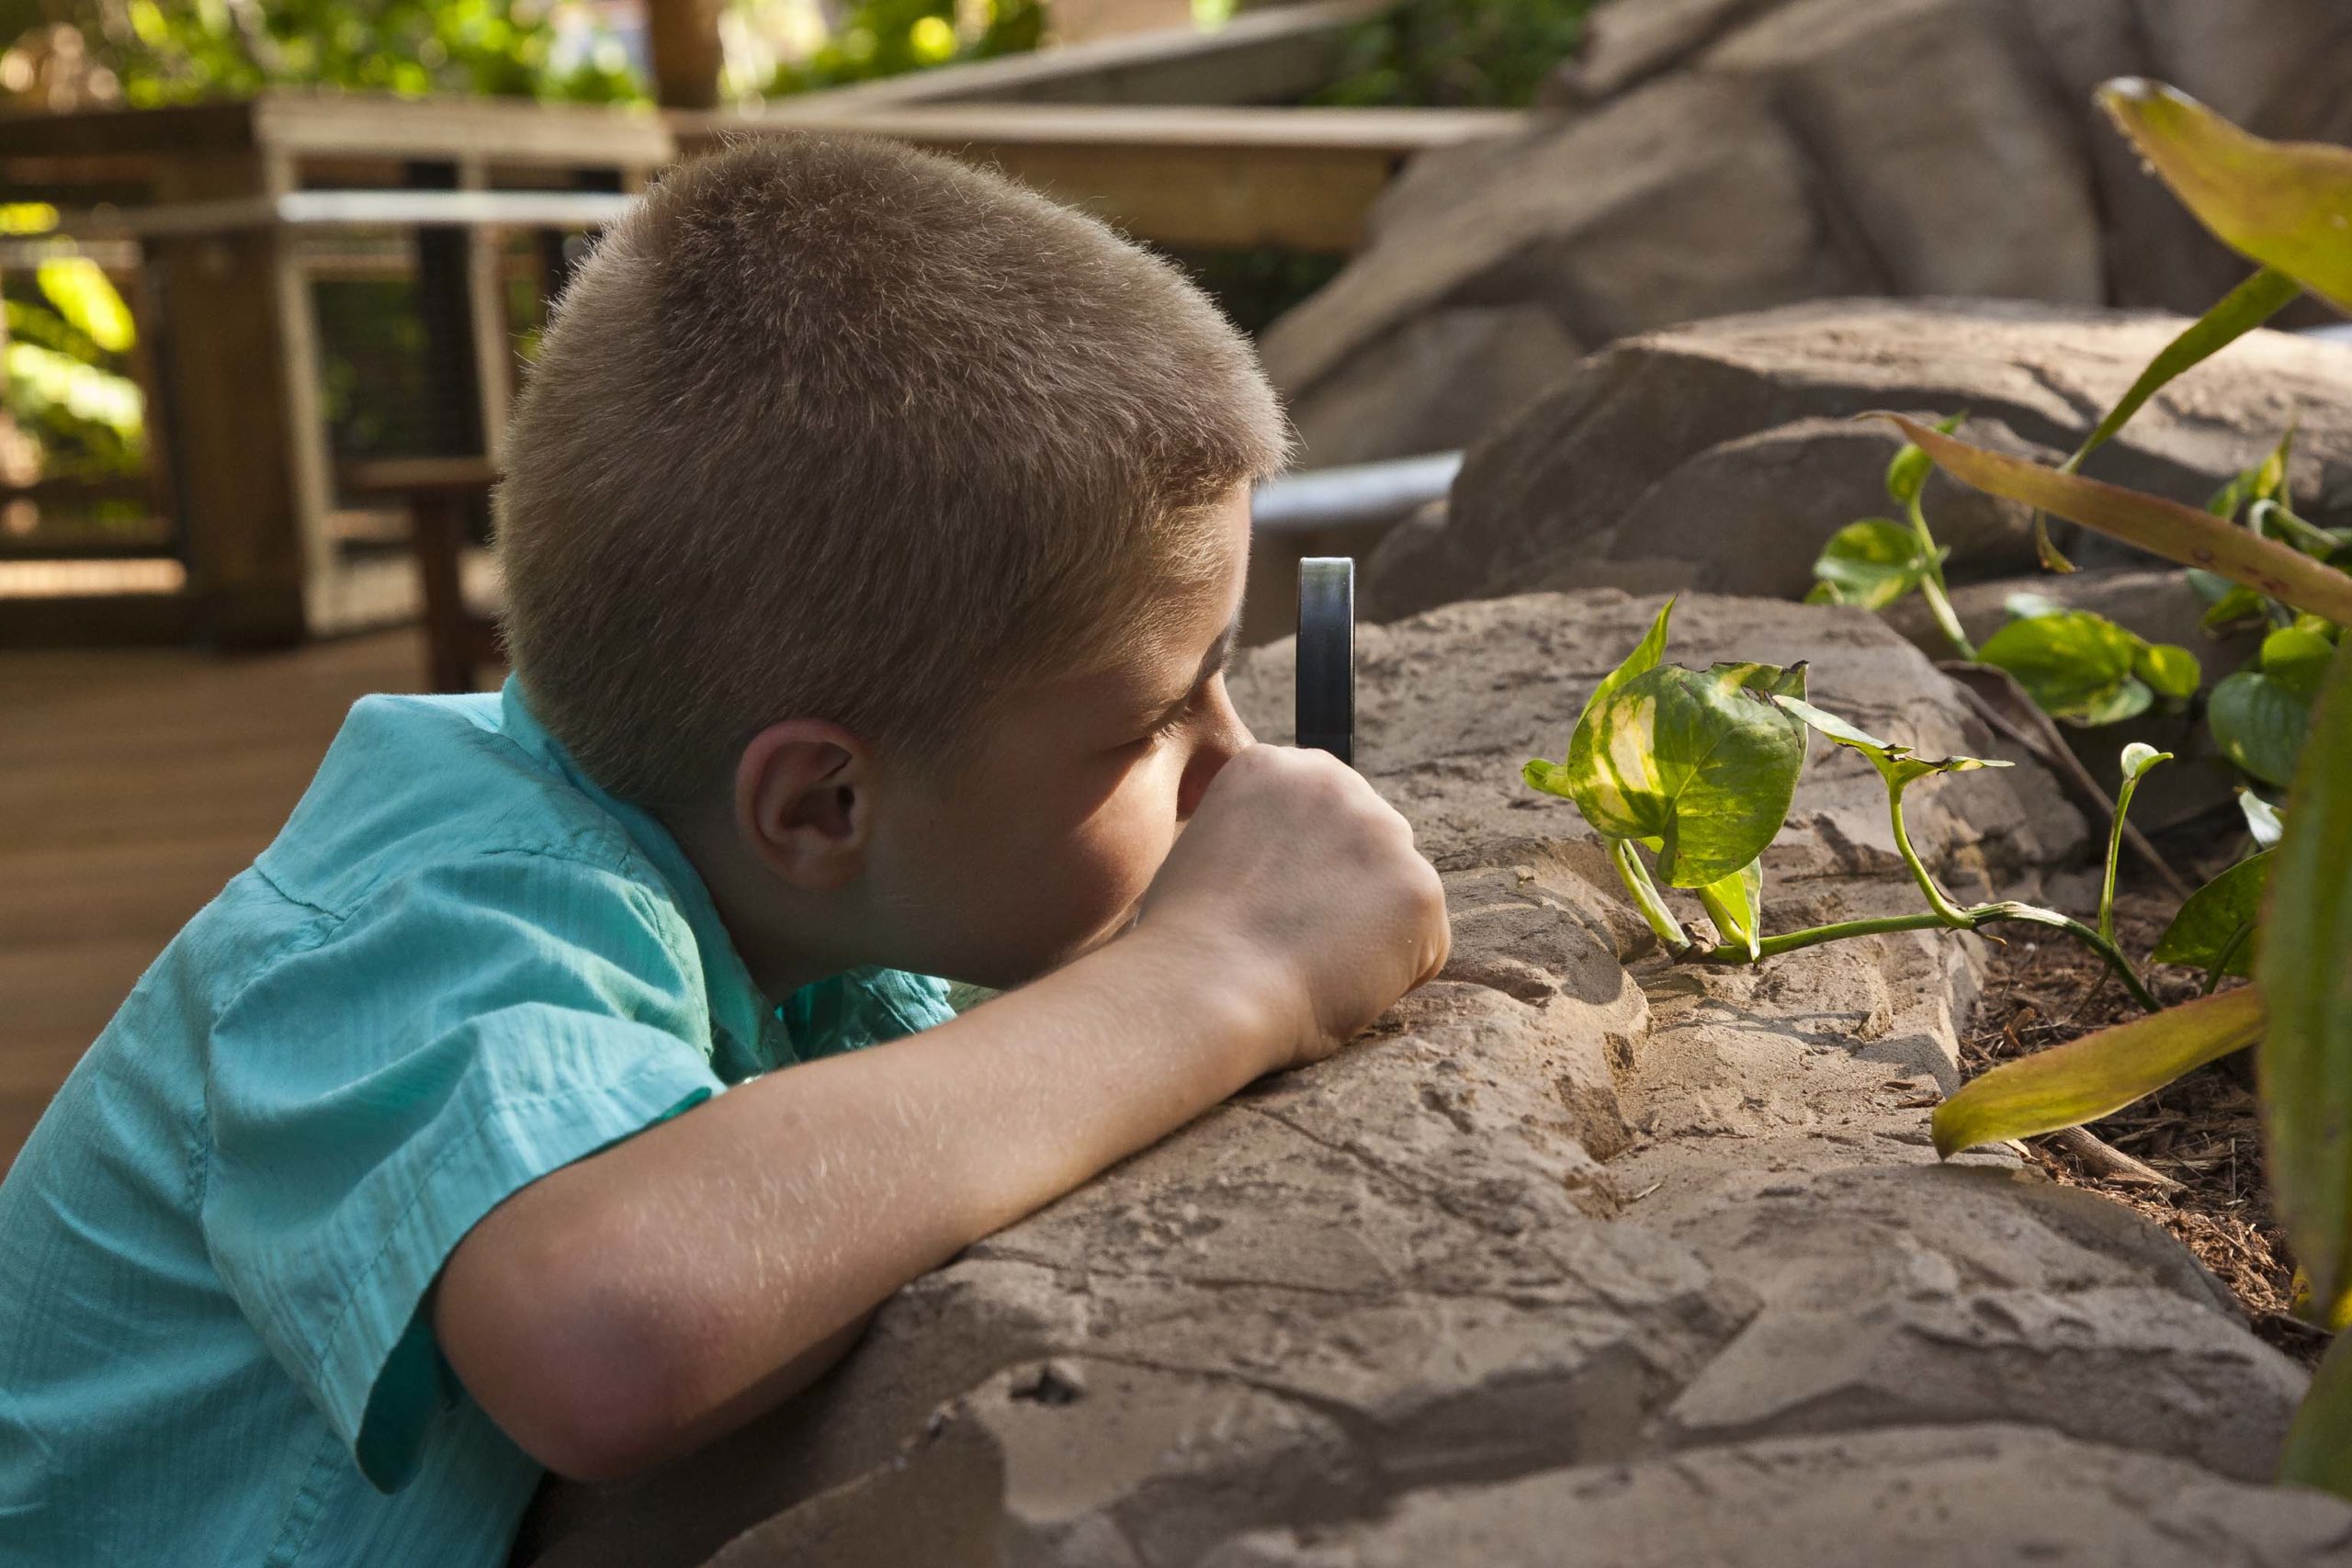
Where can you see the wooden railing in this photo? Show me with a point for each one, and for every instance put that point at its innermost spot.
(224, 204)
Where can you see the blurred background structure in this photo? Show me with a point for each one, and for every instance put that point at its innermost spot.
(252, 254)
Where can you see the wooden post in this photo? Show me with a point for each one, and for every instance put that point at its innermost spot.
(684, 35)
(238, 410)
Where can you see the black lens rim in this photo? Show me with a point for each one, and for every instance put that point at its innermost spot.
(1327, 655)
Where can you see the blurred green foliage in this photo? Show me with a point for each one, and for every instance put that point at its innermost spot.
(1456, 54)
(166, 51)
(69, 344)
(183, 51)
(889, 38)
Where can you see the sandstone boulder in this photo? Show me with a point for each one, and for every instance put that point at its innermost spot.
(1703, 157)
(1575, 1234)
(1719, 454)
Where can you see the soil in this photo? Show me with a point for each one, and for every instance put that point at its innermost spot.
(2204, 1130)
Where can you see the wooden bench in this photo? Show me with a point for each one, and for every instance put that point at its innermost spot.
(439, 494)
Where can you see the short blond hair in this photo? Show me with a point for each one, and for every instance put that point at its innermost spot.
(828, 427)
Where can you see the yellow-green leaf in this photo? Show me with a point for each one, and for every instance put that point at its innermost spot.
(2187, 534)
(2307, 1062)
(2286, 204)
(84, 297)
(2098, 1074)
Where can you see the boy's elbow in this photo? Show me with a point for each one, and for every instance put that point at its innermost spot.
(588, 1378)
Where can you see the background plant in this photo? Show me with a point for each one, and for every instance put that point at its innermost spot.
(2288, 207)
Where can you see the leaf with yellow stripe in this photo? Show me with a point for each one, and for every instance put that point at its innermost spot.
(2097, 1075)
(2187, 534)
(2286, 204)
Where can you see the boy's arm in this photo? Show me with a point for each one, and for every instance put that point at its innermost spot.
(632, 1307)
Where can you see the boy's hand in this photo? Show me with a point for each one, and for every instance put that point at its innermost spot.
(1295, 876)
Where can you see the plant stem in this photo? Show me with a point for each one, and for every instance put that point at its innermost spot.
(2221, 963)
(1636, 877)
(2114, 849)
(1931, 585)
(1947, 912)
(1973, 918)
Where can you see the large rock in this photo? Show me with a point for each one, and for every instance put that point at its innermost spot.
(1720, 456)
(1710, 156)
(1961, 1498)
(1573, 1225)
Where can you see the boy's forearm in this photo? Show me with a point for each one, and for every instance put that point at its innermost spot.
(677, 1278)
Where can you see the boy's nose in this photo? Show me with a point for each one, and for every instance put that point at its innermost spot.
(1224, 737)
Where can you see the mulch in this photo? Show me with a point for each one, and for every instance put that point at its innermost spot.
(2203, 1131)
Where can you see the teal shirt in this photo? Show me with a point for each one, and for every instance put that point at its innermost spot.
(460, 966)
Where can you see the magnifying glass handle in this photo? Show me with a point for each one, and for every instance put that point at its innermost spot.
(1327, 655)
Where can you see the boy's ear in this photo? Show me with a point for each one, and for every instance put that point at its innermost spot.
(804, 801)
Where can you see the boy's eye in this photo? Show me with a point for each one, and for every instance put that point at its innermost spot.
(1176, 720)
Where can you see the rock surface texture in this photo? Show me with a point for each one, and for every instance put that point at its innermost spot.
(1720, 456)
(1578, 1246)
(1704, 157)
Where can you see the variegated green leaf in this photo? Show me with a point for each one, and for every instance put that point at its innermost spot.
(2285, 204)
(2076, 666)
(1701, 762)
(1871, 563)
(2098, 1074)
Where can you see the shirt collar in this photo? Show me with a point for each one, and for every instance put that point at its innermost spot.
(737, 1006)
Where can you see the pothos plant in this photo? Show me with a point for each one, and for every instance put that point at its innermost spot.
(1698, 768)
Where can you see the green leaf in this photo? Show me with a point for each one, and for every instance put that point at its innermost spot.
(2030, 607)
(2286, 205)
(2262, 819)
(2076, 665)
(2241, 310)
(1871, 563)
(2187, 535)
(1897, 763)
(1700, 761)
(2138, 758)
(1906, 474)
(2234, 604)
(1736, 906)
(2259, 721)
(2096, 1074)
(83, 297)
(2306, 1065)
(2319, 1443)
(2211, 925)
(2297, 658)
(2170, 669)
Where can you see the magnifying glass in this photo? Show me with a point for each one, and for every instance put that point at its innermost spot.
(1327, 655)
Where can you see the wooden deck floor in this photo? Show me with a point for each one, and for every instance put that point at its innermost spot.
(132, 785)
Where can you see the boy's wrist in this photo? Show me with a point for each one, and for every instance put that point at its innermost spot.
(1246, 1000)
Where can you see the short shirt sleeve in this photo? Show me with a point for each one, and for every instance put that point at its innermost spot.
(860, 1008)
(463, 1031)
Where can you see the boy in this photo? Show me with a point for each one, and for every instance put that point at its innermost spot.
(875, 533)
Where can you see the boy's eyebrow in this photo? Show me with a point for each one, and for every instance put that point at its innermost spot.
(1219, 651)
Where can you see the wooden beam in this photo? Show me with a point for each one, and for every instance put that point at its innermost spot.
(683, 36)
(1219, 178)
(1274, 56)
